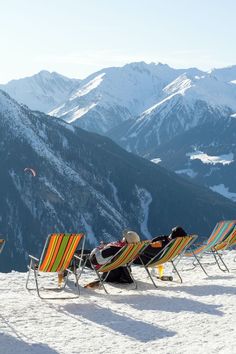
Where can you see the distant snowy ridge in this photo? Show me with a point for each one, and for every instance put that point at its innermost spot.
(205, 88)
(111, 96)
(227, 74)
(186, 102)
(114, 95)
(43, 91)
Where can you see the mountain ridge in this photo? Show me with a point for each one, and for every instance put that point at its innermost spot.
(42, 91)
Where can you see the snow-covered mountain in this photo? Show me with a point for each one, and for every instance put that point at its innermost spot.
(186, 102)
(227, 74)
(85, 182)
(113, 95)
(43, 91)
(137, 91)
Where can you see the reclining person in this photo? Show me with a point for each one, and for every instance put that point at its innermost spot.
(105, 252)
(160, 243)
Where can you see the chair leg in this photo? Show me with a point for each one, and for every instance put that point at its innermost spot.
(101, 280)
(215, 254)
(82, 268)
(150, 276)
(148, 272)
(37, 288)
(77, 283)
(132, 277)
(76, 278)
(28, 276)
(36, 283)
(31, 268)
(200, 264)
(176, 271)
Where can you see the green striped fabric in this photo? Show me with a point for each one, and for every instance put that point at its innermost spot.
(221, 231)
(172, 250)
(228, 242)
(126, 255)
(59, 251)
(232, 241)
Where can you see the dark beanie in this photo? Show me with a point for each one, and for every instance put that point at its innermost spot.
(177, 231)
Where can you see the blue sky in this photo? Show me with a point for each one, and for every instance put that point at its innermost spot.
(78, 37)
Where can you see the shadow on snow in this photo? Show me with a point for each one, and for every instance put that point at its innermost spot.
(11, 345)
(121, 323)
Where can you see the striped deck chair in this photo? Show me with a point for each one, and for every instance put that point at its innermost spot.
(170, 253)
(220, 234)
(232, 240)
(124, 258)
(57, 256)
(227, 243)
(2, 243)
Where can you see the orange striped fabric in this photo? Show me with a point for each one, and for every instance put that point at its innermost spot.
(232, 241)
(127, 254)
(174, 249)
(227, 243)
(59, 251)
(2, 243)
(219, 234)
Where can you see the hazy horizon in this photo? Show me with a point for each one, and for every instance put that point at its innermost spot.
(115, 66)
(78, 38)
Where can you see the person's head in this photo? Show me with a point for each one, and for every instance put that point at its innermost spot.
(177, 231)
(131, 237)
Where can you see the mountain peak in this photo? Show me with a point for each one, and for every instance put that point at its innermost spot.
(42, 91)
(227, 74)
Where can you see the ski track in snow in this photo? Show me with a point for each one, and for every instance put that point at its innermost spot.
(196, 316)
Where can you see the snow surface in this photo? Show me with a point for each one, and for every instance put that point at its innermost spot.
(179, 104)
(188, 171)
(91, 85)
(221, 189)
(156, 160)
(212, 160)
(115, 194)
(194, 317)
(205, 88)
(43, 91)
(226, 74)
(125, 91)
(145, 199)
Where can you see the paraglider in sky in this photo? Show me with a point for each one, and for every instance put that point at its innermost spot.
(30, 170)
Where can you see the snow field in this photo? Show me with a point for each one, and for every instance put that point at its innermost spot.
(194, 317)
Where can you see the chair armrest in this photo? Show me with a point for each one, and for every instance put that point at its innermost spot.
(33, 258)
(77, 257)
